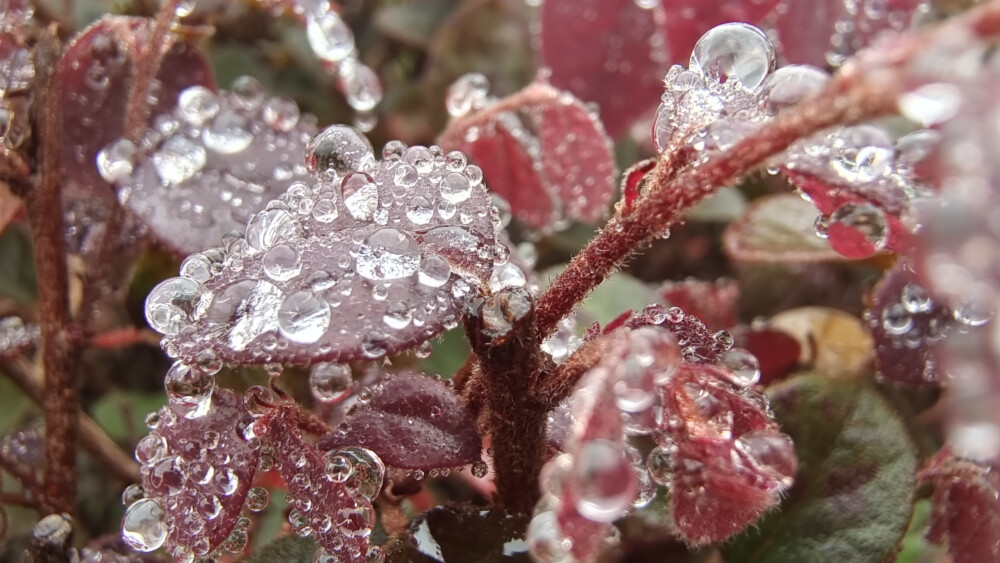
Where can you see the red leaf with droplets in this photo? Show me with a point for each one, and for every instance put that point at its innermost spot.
(712, 302)
(966, 513)
(349, 267)
(633, 180)
(339, 514)
(906, 323)
(777, 228)
(610, 52)
(96, 76)
(198, 471)
(698, 344)
(412, 422)
(549, 157)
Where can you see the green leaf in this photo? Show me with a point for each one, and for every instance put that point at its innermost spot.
(853, 496)
(286, 549)
(17, 268)
(613, 297)
(122, 413)
(413, 23)
(450, 351)
(777, 228)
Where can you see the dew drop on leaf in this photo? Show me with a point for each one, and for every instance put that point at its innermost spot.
(330, 383)
(734, 50)
(144, 526)
(339, 149)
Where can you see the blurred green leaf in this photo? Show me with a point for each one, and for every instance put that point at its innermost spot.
(413, 23)
(14, 405)
(271, 522)
(614, 296)
(286, 549)
(916, 548)
(777, 228)
(853, 497)
(17, 267)
(450, 351)
(120, 413)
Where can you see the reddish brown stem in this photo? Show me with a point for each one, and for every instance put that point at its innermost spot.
(18, 499)
(25, 477)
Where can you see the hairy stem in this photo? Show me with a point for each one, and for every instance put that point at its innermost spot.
(59, 351)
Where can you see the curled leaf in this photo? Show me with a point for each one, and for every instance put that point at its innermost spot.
(966, 513)
(777, 228)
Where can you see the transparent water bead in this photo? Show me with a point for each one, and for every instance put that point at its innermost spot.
(257, 499)
(857, 230)
(178, 160)
(862, 153)
(773, 453)
(339, 149)
(329, 36)
(364, 468)
(173, 304)
(228, 133)
(734, 50)
(282, 262)
(270, 227)
(144, 526)
(189, 390)
(455, 188)
(606, 481)
(330, 383)
(931, 104)
(116, 161)
(791, 84)
(388, 254)
(197, 104)
(360, 196)
(545, 539)
(303, 317)
(744, 369)
(434, 271)
(466, 94)
(361, 86)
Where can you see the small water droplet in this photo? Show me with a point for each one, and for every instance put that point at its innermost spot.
(189, 389)
(339, 149)
(282, 262)
(197, 104)
(178, 160)
(229, 133)
(331, 383)
(858, 230)
(329, 37)
(466, 94)
(434, 271)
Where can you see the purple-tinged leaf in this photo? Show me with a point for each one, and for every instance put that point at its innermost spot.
(370, 258)
(223, 158)
(196, 473)
(777, 352)
(331, 495)
(698, 344)
(777, 228)
(96, 75)
(853, 498)
(412, 422)
(966, 513)
(906, 323)
(621, 63)
(714, 303)
(548, 156)
(16, 337)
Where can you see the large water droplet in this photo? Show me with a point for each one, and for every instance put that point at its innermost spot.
(303, 317)
(189, 390)
(340, 149)
(282, 262)
(455, 188)
(229, 133)
(434, 271)
(328, 35)
(931, 104)
(862, 153)
(115, 162)
(172, 305)
(331, 383)
(360, 196)
(368, 472)
(466, 94)
(388, 254)
(197, 104)
(791, 84)
(361, 87)
(419, 210)
(144, 527)
(606, 480)
(734, 50)
(858, 230)
(398, 315)
(744, 369)
(270, 227)
(178, 160)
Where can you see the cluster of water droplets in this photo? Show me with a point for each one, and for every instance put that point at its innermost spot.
(211, 164)
(393, 247)
(17, 72)
(16, 336)
(196, 479)
(332, 41)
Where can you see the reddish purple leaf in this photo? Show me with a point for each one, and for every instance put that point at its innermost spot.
(223, 159)
(966, 512)
(196, 474)
(372, 258)
(777, 352)
(634, 180)
(331, 495)
(96, 74)
(549, 157)
(412, 422)
(621, 63)
(712, 302)
(906, 324)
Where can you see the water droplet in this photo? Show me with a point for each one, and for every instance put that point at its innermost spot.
(257, 499)
(455, 188)
(178, 160)
(480, 469)
(915, 299)
(466, 94)
(144, 527)
(115, 162)
(282, 262)
(328, 35)
(150, 449)
(361, 87)
(340, 149)
(325, 210)
(660, 464)
(420, 158)
(419, 210)
(248, 92)
(545, 539)
(744, 369)
(331, 383)
(724, 338)
(606, 481)
(434, 271)
(388, 254)
(734, 50)
(931, 104)
(368, 471)
(789, 85)
(373, 344)
(858, 230)
(281, 113)
(360, 196)
(271, 227)
(189, 390)
(172, 305)
(862, 153)
(229, 133)
(398, 315)
(197, 104)
(972, 313)
(303, 317)
(770, 452)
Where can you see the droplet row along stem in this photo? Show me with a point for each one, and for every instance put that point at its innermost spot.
(866, 88)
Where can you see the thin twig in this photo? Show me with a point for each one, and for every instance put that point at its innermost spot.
(59, 352)
(18, 499)
(22, 475)
(867, 88)
(93, 439)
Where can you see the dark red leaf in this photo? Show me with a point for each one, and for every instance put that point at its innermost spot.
(633, 180)
(197, 471)
(698, 344)
(776, 351)
(412, 422)
(712, 302)
(621, 63)
(966, 512)
(359, 264)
